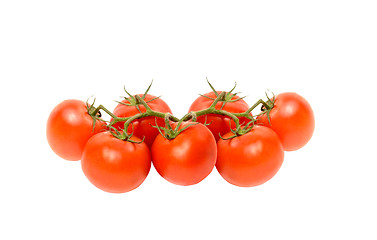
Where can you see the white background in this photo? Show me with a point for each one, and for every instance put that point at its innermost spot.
(324, 50)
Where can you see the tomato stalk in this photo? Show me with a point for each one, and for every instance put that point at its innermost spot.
(148, 113)
(92, 111)
(171, 133)
(246, 114)
(211, 110)
(128, 120)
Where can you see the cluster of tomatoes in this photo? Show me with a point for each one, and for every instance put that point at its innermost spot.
(247, 153)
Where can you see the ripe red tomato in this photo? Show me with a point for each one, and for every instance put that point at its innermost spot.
(115, 165)
(292, 119)
(186, 159)
(250, 159)
(69, 127)
(142, 127)
(219, 124)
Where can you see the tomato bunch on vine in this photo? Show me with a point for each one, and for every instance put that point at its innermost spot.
(219, 131)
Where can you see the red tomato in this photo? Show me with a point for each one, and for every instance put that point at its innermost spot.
(219, 124)
(186, 159)
(250, 159)
(114, 165)
(292, 119)
(142, 127)
(69, 127)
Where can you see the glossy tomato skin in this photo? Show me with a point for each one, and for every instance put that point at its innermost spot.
(69, 127)
(292, 118)
(114, 165)
(251, 159)
(186, 159)
(219, 125)
(142, 127)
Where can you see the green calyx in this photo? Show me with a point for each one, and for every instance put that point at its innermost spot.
(93, 112)
(123, 135)
(134, 100)
(267, 106)
(168, 131)
(243, 129)
(226, 97)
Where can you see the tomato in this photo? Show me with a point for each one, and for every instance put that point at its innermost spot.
(186, 159)
(69, 127)
(250, 159)
(115, 165)
(219, 124)
(292, 119)
(142, 127)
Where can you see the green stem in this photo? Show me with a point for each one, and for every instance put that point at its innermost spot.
(191, 115)
(247, 113)
(209, 110)
(256, 104)
(212, 110)
(95, 111)
(231, 115)
(148, 113)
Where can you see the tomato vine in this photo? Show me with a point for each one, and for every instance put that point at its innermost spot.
(171, 133)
